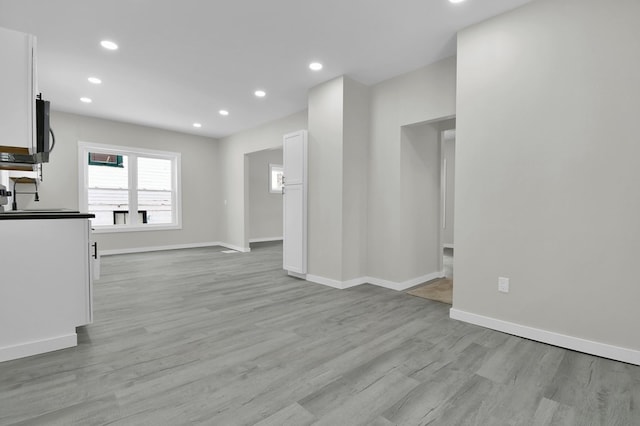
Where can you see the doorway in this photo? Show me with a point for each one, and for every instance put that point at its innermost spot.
(435, 143)
(263, 203)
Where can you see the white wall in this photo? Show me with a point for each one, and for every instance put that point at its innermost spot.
(265, 207)
(449, 154)
(547, 164)
(425, 95)
(234, 217)
(338, 145)
(363, 211)
(200, 175)
(326, 106)
(366, 218)
(355, 149)
(420, 191)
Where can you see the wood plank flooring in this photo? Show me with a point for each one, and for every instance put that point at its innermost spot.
(202, 337)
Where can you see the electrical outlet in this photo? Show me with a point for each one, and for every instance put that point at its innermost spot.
(503, 285)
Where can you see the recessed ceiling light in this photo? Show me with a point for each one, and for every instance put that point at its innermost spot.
(86, 100)
(198, 125)
(223, 112)
(260, 93)
(456, 1)
(107, 44)
(94, 80)
(315, 66)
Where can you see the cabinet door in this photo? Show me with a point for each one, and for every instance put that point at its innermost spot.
(17, 86)
(295, 157)
(44, 294)
(294, 227)
(83, 286)
(93, 264)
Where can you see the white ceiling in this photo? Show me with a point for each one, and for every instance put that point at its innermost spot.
(180, 61)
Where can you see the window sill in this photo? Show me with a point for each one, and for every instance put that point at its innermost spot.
(137, 228)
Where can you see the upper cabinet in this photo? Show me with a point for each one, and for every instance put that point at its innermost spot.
(18, 88)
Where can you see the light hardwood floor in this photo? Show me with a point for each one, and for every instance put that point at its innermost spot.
(202, 337)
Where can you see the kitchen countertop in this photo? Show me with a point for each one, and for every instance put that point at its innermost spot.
(44, 214)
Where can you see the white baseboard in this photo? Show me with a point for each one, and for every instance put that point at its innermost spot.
(264, 240)
(234, 247)
(297, 275)
(401, 286)
(159, 248)
(354, 282)
(38, 347)
(172, 247)
(335, 283)
(447, 246)
(398, 286)
(577, 344)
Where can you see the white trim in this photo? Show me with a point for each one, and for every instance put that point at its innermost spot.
(38, 347)
(447, 246)
(444, 190)
(355, 282)
(109, 229)
(169, 247)
(264, 240)
(398, 286)
(119, 149)
(297, 275)
(234, 247)
(617, 353)
(335, 283)
(401, 286)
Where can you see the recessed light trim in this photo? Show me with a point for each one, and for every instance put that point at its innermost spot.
(109, 45)
(86, 100)
(197, 125)
(260, 93)
(94, 80)
(455, 1)
(223, 112)
(315, 66)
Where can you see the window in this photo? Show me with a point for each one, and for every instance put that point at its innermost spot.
(275, 179)
(115, 181)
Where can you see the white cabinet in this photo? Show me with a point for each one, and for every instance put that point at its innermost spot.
(46, 286)
(294, 245)
(18, 89)
(295, 202)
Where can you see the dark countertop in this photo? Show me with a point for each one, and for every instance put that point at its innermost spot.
(44, 214)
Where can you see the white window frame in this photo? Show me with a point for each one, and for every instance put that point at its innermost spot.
(84, 148)
(272, 168)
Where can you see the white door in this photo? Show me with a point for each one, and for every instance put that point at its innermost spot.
(295, 158)
(295, 202)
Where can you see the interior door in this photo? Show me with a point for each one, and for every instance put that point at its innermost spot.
(295, 202)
